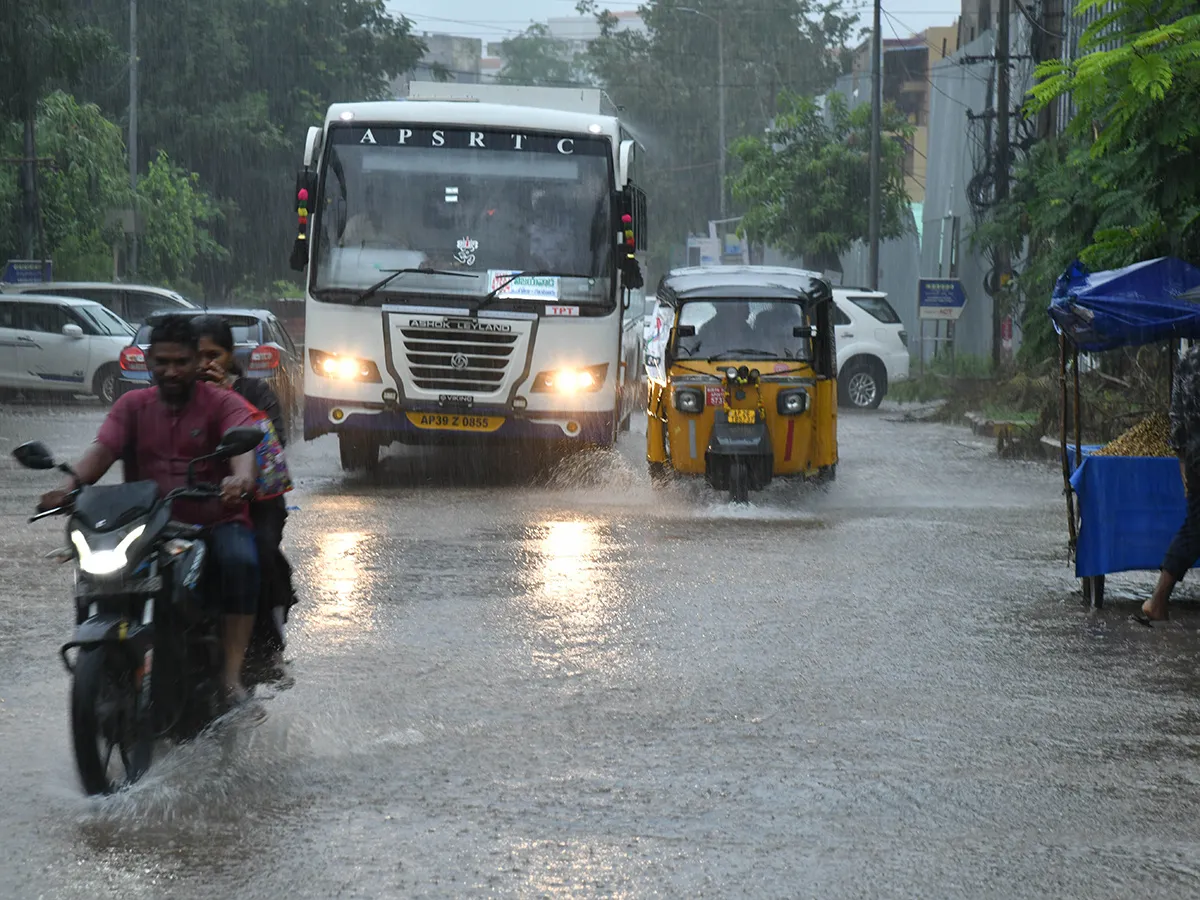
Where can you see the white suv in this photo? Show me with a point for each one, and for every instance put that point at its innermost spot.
(61, 344)
(872, 346)
(132, 302)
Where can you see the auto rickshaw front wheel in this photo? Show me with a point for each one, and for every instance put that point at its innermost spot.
(660, 473)
(739, 481)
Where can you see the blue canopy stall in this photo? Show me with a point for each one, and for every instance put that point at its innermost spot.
(1128, 507)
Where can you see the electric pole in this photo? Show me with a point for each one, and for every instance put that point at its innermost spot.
(1003, 262)
(133, 133)
(721, 109)
(876, 148)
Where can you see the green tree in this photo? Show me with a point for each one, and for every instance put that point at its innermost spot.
(667, 82)
(1120, 183)
(228, 88)
(537, 57)
(42, 44)
(178, 219)
(802, 184)
(87, 183)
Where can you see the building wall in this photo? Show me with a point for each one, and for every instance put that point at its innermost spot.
(960, 89)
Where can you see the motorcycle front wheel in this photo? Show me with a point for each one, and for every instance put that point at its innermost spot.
(110, 751)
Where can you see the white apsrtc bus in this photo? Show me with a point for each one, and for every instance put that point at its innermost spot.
(471, 274)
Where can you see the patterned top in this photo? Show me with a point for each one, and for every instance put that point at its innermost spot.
(1185, 407)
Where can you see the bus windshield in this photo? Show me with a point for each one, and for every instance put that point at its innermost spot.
(486, 203)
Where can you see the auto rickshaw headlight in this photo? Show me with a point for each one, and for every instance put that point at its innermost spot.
(731, 373)
(792, 403)
(689, 400)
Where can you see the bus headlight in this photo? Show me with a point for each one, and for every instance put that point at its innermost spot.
(571, 381)
(343, 368)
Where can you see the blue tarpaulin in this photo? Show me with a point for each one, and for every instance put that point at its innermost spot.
(1139, 304)
(1129, 510)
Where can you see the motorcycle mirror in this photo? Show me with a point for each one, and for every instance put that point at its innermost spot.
(34, 455)
(237, 441)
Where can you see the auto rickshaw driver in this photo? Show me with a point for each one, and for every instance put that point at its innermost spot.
(746, 390)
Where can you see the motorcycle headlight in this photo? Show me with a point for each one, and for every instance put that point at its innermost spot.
(689, 400)
(792, 403)
(107, 560)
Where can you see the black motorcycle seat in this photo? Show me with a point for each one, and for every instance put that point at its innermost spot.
(110, 506)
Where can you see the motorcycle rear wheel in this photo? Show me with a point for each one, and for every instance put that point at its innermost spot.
(104, 719)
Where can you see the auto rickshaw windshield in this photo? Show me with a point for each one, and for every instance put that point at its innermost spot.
(749, 329)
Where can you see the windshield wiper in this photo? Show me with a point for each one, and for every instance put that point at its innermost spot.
(531, 273)
(736, 351)
(396, 273)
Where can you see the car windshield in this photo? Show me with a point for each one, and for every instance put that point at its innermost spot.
(878, 307)
(104, 321)
(483, 203)
(245, 330)
(750, 329)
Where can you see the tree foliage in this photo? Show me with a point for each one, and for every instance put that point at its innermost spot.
(228, 88)
(86, 187)
(802, 184)
(42, 44)
(537, 57)
(667, 81)
(1120, 183)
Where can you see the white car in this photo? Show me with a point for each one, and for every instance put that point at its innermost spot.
(61, 344)
(872, 346)
(132, 302)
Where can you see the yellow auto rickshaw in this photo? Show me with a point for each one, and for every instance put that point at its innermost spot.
(741, 368)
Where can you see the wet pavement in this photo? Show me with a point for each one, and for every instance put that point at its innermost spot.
(570, 684)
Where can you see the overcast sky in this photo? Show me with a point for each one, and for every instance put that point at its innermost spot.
(494, 20)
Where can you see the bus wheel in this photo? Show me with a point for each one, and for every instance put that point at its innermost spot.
(358, 453)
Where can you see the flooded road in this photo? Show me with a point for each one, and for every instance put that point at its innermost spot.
(571, 684)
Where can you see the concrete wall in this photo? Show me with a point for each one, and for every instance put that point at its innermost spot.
(955, 153)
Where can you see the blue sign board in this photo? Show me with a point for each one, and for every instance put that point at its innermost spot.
(940, 298)
(27, 271)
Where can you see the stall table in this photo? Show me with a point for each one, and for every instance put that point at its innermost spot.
(1129, 510)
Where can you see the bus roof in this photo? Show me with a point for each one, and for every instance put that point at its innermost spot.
(467, 113)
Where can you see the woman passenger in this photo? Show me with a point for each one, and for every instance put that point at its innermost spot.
(218, 366)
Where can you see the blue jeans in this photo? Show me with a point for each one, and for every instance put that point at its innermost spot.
(233, 569)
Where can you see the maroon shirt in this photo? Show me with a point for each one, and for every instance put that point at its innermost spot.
(156, 442)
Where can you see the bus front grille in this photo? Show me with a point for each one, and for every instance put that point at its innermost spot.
(475, 362)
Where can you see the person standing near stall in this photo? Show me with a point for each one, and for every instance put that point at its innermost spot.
(1185, 440)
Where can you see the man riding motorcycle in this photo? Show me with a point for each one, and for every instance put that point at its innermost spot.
(155, 433)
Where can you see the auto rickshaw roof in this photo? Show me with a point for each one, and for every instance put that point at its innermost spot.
(742, 283)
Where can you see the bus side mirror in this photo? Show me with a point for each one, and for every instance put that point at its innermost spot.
(306, 186)
(631, 274)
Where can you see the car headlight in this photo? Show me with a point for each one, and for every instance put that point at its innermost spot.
(571, 381)
(689, 400)
(792, 403)
(108, 560)
(344, 368)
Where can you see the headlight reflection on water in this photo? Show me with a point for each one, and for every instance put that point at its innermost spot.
(338, 586)
(575, 602)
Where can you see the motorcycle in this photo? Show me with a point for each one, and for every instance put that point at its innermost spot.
(148, 652)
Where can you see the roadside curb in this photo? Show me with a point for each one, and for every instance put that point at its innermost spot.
(993, 428)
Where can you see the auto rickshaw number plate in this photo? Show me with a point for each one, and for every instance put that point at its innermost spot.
(742, 416)
(455, 422)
